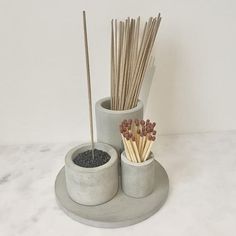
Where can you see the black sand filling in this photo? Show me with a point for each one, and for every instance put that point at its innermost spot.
(85, 159)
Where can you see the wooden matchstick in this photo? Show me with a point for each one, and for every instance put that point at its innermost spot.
(135, 149)
(148, 142)
(131, 151)
(138, 137)
(143, 143)
(140, 144)
(149, 148)
(126, 147)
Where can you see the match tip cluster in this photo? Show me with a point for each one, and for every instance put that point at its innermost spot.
(138, 137)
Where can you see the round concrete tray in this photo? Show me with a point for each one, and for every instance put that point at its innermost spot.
(121, 210)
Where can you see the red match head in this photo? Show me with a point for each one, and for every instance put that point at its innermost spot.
(142, 122)
(149, 129)
(136, 122)
(126, 135)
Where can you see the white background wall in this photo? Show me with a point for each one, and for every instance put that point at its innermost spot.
(42, 76)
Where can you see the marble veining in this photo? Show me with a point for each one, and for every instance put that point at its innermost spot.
(4, 178)
(202, 174)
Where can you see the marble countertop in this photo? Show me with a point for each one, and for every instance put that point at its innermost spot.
(202, 197)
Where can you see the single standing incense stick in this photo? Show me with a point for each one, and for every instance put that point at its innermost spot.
(88, 83)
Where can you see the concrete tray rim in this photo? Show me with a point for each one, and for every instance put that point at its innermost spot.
(60, 189)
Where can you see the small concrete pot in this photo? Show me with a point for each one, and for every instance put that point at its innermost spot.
(108, 121)
(92, 186)
(137, 178)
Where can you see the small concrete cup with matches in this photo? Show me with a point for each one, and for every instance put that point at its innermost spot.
(137, 160)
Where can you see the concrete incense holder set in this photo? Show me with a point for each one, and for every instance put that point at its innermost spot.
(115, 182)
(99, 196)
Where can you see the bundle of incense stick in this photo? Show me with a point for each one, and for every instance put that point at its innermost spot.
(130, 54)
(138, 138)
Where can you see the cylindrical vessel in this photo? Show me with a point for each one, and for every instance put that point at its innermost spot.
(137, 178)
(108, 121)
(92, 186)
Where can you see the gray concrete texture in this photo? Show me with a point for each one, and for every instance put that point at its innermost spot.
(138, 179)
(108, 121)
(121, 211)
(92, 186)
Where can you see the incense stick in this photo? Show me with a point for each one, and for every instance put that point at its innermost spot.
(129, 59)
(88, 83)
